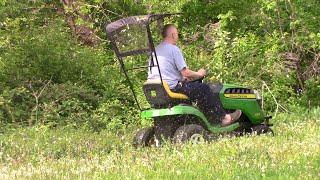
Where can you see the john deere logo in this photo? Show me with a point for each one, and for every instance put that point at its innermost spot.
(241, 96)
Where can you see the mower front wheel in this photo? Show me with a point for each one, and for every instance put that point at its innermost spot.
(190, 133)
(261, 129)
(144, 137)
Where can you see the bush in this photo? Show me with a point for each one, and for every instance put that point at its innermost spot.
(114, 115)
(311, 97)
(54, 104)
(84, 86)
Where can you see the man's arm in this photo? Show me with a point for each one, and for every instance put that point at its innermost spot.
(192, 75)
(186, 73)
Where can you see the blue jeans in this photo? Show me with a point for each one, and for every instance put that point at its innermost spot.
(207, 100)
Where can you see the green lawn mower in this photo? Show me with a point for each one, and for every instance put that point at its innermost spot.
(175, 117)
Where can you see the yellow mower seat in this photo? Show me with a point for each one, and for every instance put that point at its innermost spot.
(160, 94)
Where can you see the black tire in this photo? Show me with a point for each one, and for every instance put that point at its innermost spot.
(144, 137)
(190, 133)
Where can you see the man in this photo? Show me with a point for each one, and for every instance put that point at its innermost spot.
(175, 72)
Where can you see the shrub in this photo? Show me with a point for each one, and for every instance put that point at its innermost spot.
(312, 95)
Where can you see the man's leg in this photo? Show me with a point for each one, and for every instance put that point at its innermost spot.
(208, 101)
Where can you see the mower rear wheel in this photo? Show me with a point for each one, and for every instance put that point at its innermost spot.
(144, 137)
(192, 133)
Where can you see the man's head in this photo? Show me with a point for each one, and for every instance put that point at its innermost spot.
(170, 34)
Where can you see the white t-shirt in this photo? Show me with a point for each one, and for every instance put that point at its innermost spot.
(171, 62)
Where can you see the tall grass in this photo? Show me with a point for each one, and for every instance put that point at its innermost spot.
(68, 153)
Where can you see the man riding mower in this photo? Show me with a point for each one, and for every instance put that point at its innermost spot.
(182, 107)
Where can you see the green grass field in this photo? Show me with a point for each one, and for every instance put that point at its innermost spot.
(68, 153)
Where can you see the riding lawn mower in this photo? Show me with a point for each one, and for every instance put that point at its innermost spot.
(174, 116)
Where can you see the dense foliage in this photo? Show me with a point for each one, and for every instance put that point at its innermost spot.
(66, 110)
(57, 68)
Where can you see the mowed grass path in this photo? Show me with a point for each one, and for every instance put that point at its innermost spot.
(67, 153)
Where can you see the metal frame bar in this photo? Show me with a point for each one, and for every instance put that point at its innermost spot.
(134, 52)
(140, 67)
(120, 59)
(153, 50)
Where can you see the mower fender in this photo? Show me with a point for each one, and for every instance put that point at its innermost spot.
(183, 109)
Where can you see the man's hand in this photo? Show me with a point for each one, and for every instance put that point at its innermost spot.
(202, 72)
(190, 75)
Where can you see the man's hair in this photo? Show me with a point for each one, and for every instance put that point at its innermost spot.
(166, 29)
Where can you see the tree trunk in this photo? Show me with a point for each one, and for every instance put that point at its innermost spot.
(85, 34)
